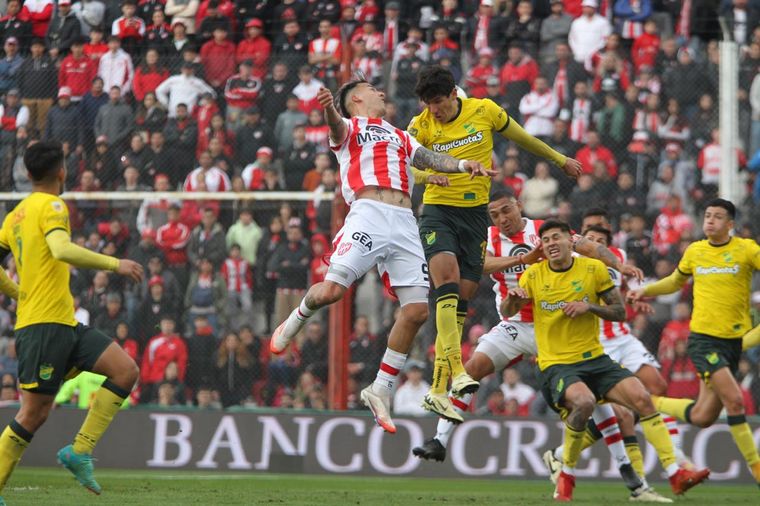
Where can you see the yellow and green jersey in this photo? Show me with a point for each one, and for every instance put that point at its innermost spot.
(469, 136)
(722, 285)
(44, 295)
(559, 338)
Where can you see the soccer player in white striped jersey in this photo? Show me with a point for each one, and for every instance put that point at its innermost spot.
(380, 230)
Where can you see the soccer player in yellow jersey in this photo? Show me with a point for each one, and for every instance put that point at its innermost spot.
(721, 267)
(454, 220)
(566, 292)
(50, 344)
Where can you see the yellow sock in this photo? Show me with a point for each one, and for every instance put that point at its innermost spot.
(678, 408)
(106, 403)
(441, 373)
(742, 435)
(751, 339)
(461, 316)
(656, 432)
(446, 324)
(634, 454)
(13, 441)
(572, 446)
(589, 439)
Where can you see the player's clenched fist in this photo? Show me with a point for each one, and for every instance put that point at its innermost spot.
(130, 269)
(572, 168)
(325, 97)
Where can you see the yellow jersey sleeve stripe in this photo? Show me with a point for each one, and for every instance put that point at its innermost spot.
(509, 120)
(682, 272)
(54, 229)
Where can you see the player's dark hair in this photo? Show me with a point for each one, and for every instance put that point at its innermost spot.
(725, 204)
(600, 230)
(596, 211)
(434, 82)
(343, 93)
(550, 224)
(502, 193)
(43, 159)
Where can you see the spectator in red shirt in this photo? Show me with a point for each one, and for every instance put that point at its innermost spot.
(148, 75)
(477, 77)
(241, 92)
(255, 47)
(675, 330)
(670, 226)
(127, 343)
(517, 75)
(680, 373)
(172, 239)
(511, 175)
(129, 28)
(319, 248)
(77, 71)
(594, 151)
(646, 46)
(218, 59)
(39, 13)
(162, 349)
(96, 47)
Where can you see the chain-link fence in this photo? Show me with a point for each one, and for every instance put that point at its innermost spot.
(147, 98)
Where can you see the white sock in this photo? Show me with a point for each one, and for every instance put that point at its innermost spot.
(558, 452)
(304, 313)
(672, 469)
(445, 428)
(606, 422)
(568, 470)
(675, 436)
(391, 365)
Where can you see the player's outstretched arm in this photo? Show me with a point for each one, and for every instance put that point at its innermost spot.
(515, 132)
(64, 250)
(671, 284)
(427, 159)
(338, 130)
(495, 264)
(594, 250)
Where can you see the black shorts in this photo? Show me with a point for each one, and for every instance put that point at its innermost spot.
(600, 375)
(49, 353)
(458, 230)
(712, 353)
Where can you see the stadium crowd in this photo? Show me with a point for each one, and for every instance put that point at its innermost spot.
(220, 96)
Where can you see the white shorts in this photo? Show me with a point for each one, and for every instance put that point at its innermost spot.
(507, 343)
(378, 234)
(629, 352)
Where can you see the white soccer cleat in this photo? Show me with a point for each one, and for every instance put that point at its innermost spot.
(380, 405)
(463, 384)
(553, 465)
(285, 333)
(648, 495)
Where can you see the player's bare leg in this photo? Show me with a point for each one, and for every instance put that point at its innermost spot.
(35, 408)
(722, 391)
(632, 394)
(121, 374)
(478, 367)
(377, 396)
(318, 296)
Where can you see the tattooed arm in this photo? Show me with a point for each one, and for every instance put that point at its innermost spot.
(594, 250)
(427, 159)
(613, 309)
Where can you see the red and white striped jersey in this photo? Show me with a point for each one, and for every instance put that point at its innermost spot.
(216, 180)
(500, 245)
(237, 275)
(610, 330)
(374, 153)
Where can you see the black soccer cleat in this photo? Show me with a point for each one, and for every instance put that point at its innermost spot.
(432, 449)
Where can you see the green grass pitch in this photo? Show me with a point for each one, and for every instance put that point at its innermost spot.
(35, 486)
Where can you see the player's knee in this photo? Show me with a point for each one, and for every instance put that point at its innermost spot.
(734, 403)
(642, 403)
(583, 405)
(329, 293)
(416, 313)
(657, 385)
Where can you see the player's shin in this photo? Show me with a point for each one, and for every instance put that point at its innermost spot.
(633, 450)
(678, 408)
(441, 371)
(657, 434)
(572, 447)
(13, 441)
(445, 427)
(106, 403)
(606, 422)
(447, 300)
(742, 435)
(392, 363)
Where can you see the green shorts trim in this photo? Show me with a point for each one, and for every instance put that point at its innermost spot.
(49, 353)
(600, 375)
(458, 230)
(709, 354)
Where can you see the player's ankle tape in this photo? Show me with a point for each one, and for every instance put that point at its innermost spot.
(593, 430)
(462, 307)
(447, 290)
(736, 419)
(115, 389)
(20, 431)
(687, 413)
(630, 440)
